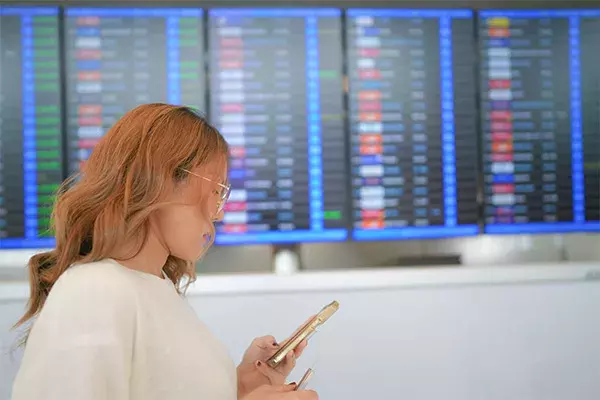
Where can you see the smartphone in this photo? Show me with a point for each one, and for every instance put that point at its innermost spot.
(304, 332)
(304, 381)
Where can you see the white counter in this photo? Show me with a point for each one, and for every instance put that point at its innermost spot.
(490, 333)
(368, 279)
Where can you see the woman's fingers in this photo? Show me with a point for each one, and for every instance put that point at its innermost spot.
(300, 349)
(307, 395)
(302, 326)
(274, 375)
(288, 364)
(265, 342)
(287, 388)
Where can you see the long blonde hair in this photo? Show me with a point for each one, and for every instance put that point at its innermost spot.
(139, 160)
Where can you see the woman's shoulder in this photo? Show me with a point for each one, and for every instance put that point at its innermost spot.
(89, 304)
(98, 271)
(105, 279)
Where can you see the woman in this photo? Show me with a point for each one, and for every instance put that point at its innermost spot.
(109, 319)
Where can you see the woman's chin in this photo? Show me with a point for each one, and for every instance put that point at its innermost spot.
(205, 243)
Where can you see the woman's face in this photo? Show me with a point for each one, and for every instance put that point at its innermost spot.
(185, 228)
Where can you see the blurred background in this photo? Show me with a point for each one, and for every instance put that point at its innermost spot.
(434, 166)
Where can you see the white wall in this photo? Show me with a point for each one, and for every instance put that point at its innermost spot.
(524, 333)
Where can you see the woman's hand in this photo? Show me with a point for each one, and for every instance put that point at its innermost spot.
(281, 392)
(253, 371)
(262, 348)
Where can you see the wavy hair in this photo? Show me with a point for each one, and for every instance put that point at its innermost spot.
(124, 181)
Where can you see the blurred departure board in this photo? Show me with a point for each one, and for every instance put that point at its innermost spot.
(118, 58)
(413, 123)
(276, 95)
(540, 115)
(30, 124)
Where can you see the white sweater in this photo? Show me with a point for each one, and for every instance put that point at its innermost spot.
(108, 332)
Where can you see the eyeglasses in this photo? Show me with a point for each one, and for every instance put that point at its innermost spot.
(225, 189)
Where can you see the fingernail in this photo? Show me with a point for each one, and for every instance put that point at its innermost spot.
(292, 384)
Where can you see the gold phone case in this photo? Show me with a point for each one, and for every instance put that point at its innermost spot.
(307, 330)
(304, 381)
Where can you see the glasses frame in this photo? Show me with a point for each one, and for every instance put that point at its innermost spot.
(227, 187)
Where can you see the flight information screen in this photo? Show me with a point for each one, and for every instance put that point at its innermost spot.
(30, 124)
(276, 95)
(413, 123)
(540, 120)
(118, 58)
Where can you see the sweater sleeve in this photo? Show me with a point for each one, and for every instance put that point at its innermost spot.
(81, 344)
